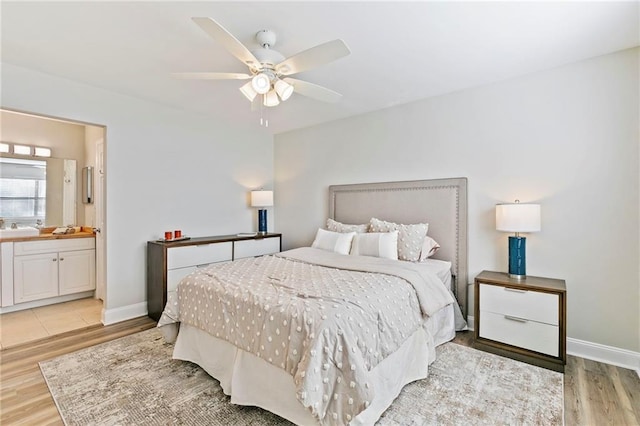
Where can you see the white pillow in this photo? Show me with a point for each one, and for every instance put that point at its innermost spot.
(410, 237)
(377, 244)
(335, 226)
(337, 242)
(429, 248)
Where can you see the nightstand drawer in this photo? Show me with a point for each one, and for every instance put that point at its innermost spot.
(200, 254)
(525, 334)
(526, 304)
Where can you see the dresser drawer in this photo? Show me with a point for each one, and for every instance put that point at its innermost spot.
(525, 304)
(251, 248)
(174, 276)
(201, 254)
(531, 335)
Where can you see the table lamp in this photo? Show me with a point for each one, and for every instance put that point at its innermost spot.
(517, 217)
(262, 199)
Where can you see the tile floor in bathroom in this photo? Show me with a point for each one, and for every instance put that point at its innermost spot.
(37, 323)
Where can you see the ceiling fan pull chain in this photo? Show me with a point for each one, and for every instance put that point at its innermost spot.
(266, 115)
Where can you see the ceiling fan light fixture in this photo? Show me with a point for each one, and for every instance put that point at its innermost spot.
(247, 90)
(261, 83)
(284, 89)
(271, 99)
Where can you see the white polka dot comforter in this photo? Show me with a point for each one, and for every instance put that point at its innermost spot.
(325, 318)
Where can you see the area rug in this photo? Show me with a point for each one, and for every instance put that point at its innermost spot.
(134, 381)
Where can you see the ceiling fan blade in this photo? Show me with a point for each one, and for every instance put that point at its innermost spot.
(211, 75)
(228, 41)
(311, 58)
(313, 90)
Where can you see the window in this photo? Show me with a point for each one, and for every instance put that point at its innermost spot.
(23, 189)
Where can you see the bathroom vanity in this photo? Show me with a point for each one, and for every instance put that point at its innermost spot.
(46, 269)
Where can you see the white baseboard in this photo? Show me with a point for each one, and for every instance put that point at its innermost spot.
(471, 322)
(594, 351)
(112, 316)
(602, 353)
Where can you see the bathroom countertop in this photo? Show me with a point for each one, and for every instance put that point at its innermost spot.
(45, 234)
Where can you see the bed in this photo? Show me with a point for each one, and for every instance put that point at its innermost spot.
(309, 334)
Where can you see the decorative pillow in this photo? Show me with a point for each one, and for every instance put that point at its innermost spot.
(410, 237)
(336, 226)
(429, 248)
(377, 244)
(337, 242)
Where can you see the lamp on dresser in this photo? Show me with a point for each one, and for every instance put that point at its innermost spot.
(262, 199)
(517, 217)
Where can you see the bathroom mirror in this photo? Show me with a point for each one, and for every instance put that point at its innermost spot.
(38, 189)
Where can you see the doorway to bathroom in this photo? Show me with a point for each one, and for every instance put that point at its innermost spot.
(83, 144)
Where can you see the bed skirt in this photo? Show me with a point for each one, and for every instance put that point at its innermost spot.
(250, 380)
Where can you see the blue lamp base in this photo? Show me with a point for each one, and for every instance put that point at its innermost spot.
(262, 221)
(517, 257)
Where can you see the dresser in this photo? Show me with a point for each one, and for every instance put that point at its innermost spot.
(522, 319)
(169, 262)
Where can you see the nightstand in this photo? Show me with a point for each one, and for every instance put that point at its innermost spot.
(522, 319)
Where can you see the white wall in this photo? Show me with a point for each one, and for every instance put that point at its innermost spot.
(165, 169)
(565, 138)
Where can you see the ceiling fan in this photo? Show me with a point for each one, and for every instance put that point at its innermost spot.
(269, 70)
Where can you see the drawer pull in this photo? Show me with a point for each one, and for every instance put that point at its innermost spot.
(202, 265)
(515, 290)
(509, 317)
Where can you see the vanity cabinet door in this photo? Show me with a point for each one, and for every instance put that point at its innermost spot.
(77, 271)
(35, 277)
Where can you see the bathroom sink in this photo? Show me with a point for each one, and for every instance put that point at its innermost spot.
(25, 231)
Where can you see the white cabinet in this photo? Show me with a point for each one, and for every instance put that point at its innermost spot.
(76, 271)
(50, 268)
(35, 277)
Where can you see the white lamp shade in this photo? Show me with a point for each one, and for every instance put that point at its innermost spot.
(248, 91)
(518, 217)
(261, 198)
(261, 83)
(284, 89)
(271, 99)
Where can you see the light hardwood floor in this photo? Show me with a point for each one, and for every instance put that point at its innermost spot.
(595, 393)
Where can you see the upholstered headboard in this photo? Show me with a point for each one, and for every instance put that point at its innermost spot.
(440, 202)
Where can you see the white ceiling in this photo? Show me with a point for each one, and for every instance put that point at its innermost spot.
(401, 51)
